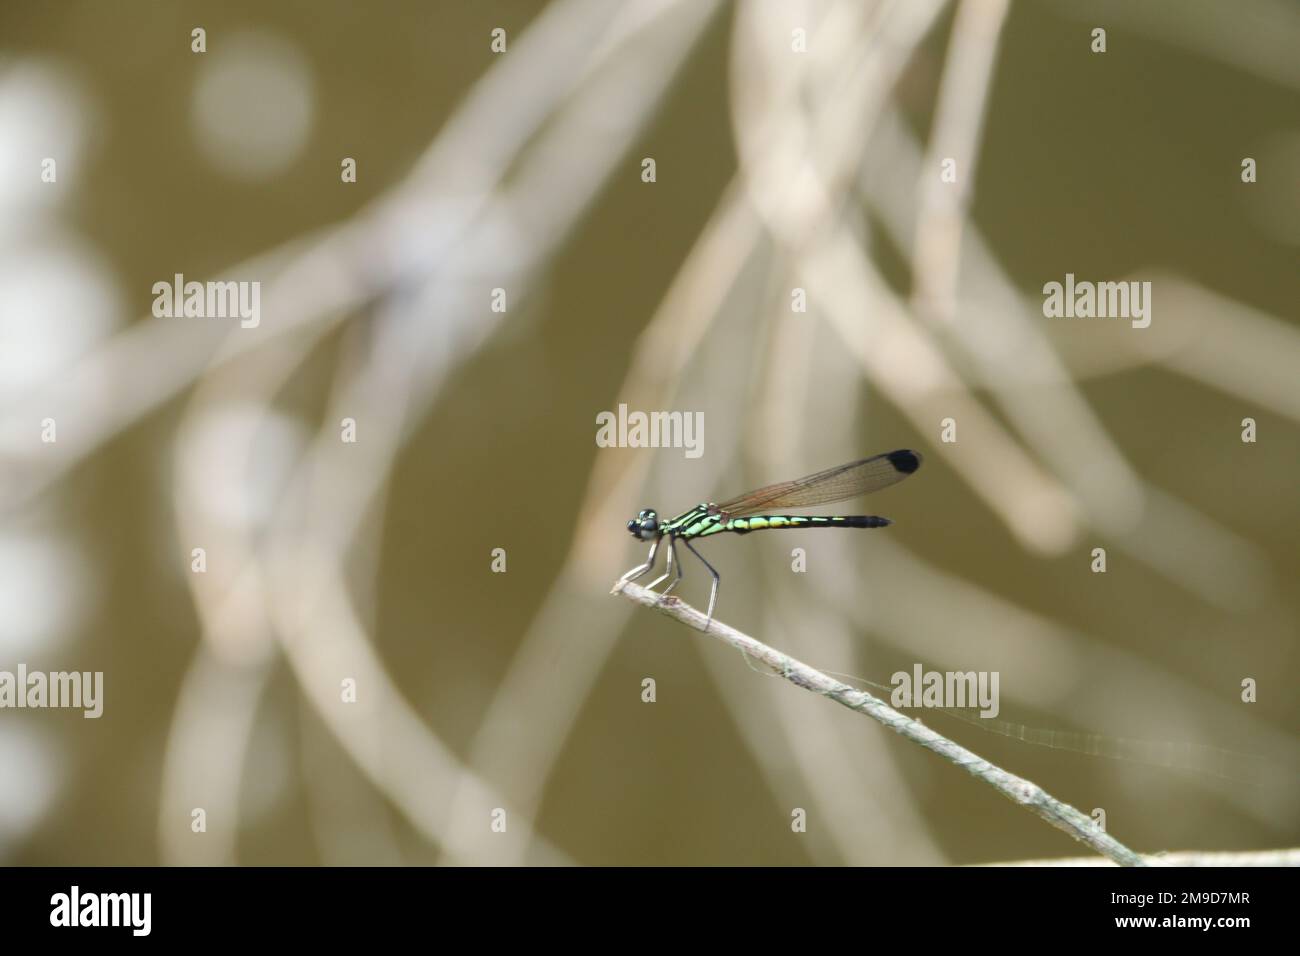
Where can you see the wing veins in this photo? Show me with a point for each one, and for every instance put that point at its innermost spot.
(861, 477)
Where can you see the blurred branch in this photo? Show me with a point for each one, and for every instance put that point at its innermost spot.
(415, 260)
(802, 125)
(1023, 792)
(958, 124)
(1288, 857)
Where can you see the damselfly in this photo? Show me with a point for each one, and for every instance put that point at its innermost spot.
(741, 515)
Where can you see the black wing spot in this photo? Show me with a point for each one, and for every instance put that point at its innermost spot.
(905, 460)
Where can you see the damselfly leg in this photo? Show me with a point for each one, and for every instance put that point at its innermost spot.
(643, 569)
(672, 551)
(717, 579)
(672, 555)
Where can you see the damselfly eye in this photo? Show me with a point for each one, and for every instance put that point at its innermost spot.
(645, 525)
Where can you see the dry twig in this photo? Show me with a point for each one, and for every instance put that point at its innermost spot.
(1024, 792)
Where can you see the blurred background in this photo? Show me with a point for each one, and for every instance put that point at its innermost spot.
(796, 146)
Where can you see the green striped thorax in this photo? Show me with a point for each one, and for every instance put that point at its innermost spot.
(647, 526)
(701, 520)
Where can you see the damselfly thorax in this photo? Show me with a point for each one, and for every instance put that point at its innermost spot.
(741, 515)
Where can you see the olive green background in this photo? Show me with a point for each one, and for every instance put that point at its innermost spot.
(1101, 167)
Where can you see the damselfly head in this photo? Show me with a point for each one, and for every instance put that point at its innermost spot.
(645, 525)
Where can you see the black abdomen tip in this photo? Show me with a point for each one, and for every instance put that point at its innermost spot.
(905, 460)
